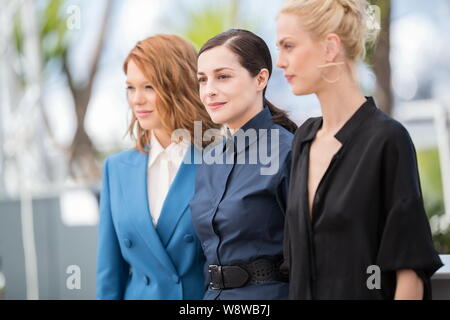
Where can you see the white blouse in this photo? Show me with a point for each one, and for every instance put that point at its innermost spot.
(163, 165)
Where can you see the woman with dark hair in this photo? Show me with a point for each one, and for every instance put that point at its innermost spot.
(239, 204)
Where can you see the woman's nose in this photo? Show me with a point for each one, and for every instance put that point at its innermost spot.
(138, 98)
(281, 62)
(211, 90)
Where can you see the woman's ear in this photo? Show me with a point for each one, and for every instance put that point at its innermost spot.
(262, 78)
(332, 47)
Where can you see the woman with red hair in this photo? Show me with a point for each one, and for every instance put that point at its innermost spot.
(148, 248)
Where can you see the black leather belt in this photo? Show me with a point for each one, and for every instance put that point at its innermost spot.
(241, 275)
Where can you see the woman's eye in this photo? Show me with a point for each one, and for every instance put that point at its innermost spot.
(129, 88)
(223, 76)
(149, 87)
(201, 80)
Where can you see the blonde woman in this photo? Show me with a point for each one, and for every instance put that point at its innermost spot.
(356, 227)
(148, 248)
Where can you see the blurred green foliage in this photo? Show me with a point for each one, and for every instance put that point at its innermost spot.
(431, 181)
(214, 18)
(52, 30)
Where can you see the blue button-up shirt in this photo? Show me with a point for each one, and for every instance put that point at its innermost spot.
(239, 206)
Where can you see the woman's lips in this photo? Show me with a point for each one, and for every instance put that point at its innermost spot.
(216, 105)
(289, 78)
(143, 113)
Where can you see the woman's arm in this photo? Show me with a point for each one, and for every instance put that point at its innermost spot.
(112, 269)
(406, 246)
(409, 285)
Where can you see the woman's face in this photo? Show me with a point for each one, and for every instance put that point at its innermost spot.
(299, 55)
(227, 89)
(142, 98)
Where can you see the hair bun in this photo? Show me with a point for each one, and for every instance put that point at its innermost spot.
(345, 5)
(351, 20)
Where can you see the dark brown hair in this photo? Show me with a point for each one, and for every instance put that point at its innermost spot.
(254, 55)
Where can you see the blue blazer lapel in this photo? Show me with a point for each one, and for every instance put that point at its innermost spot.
(177, 200)
(133, 178)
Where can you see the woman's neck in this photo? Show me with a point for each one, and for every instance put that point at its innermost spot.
(249, 114)
(338, 103)
(163, 137)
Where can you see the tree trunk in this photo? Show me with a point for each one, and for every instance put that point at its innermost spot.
(381, 60)
(82, 152)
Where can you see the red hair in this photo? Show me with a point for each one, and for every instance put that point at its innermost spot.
(170, 64)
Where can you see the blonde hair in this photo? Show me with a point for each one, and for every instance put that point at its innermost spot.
(346, 18)
(170, 64)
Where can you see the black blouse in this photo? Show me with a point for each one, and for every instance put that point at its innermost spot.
(367, 211)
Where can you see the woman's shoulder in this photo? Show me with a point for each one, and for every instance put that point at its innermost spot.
(126, 156)
(387, 129)
(307, 127)
(283, 137)
(284, 134)
(309, 124)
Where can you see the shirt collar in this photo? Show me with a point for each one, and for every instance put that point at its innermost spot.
(155, 149)
(263, 120)
(175, 151)
(347, 131)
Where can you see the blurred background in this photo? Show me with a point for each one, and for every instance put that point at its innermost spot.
(63, 110)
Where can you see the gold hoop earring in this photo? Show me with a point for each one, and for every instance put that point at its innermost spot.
(331, 64)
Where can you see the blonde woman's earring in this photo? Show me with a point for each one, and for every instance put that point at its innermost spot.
(331, 64)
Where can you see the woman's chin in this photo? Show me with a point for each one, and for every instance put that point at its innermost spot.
(218, 120)
(147, 125)
(300, 91)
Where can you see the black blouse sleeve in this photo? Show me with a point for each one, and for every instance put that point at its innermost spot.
(282, 196)
(406, 241)
(283, 184)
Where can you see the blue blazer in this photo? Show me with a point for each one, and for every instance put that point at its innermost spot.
(135, 259)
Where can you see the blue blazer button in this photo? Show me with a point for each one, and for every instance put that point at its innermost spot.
(127, 243)
(188, 238)
(146, 280)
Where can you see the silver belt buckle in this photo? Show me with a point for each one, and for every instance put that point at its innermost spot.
(214, 283)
